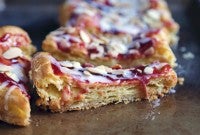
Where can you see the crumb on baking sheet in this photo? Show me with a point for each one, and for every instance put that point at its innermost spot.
(156, 103)
(181, 80)
(183, 49)
(188, 56)
(172, 91)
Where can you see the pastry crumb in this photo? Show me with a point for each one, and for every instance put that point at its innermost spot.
(172, 91)
(156, 103)
(181, 80)
(188, 56)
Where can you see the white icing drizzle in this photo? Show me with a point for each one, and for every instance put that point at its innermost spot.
(19, 72)
(16, 73)
(103, 74)
(64, 39)
(85, 8)
(3, 85)
(158, 66)
(13, 40)
(7, 96)
(124, 15)
(98, 46)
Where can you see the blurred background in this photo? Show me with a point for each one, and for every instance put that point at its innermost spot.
(39, 17)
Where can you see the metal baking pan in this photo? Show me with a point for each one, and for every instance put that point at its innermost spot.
(174, 114)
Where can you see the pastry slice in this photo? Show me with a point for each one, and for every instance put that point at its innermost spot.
(119, 16)
(78, 44)
(14, 99)
(12, 36)
(65, 85)
(15, 51)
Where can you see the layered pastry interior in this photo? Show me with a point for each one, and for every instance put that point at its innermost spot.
(78, 44)
(119, 16)
(68, 85)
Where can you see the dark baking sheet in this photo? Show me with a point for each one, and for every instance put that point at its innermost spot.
(177, 113)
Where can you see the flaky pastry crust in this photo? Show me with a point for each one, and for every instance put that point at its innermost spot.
(15, 107)
(49, 88)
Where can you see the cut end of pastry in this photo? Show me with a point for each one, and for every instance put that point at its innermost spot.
(65, 85)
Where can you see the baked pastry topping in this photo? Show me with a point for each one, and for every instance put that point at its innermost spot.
(14, 66)
(97, 46)
(14, 72)
(78, 44)
(67, 85)
(118, 16)
(17, 40)
(104, 74)
(109, 32)
(15, 51)
(11, 36)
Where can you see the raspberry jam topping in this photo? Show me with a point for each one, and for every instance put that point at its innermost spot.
(13, 73)
(114, 17)
(5, 38)
(103, 74)
(10, 82)
(5, 61)
(5, 78)
(96, 47)
(62, 47)
(108, 3)
(8, 40)
(56, 69)
(14, 67)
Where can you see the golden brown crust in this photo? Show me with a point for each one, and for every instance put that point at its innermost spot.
(14, 107)
(41, 67)
(50, 97)
(163, 53)
(14, 30)
(27, 48)
(171, 26)
(64, 14)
